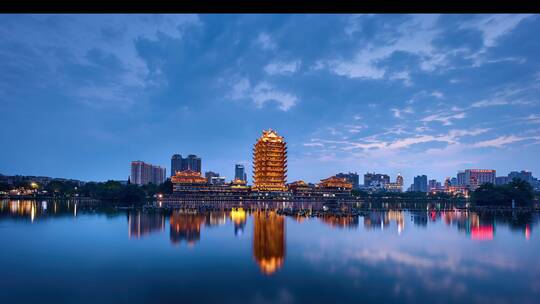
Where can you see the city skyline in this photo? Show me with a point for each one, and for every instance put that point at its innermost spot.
(443, 94)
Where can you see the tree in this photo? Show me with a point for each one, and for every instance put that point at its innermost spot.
(518, 190)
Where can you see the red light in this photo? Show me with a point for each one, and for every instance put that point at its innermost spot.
(482, 233)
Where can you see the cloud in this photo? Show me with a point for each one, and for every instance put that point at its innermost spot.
(446, 120)
(266, 42)
(499, 142)
(398, 113)
(437, 94)
(282, 68)
(262, 93)
(495, 26)
(404, 76)
(100, 68)
(497, 102)
(533, 118)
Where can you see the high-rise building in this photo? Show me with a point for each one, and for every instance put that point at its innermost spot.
(240, 172)
(477, 177)
(209, 175)
(461, 178)
(270, 162)
(352, 178)
(432, 185)
(501, 180)
(176, 164)
(397, 186)
(376, 180)
(523, 175)
(143, 173)
(420, 183)
(192, 162)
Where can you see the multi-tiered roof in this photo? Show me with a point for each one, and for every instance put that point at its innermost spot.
(270, 162)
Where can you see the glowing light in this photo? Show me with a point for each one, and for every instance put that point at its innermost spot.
(482, 233)
(32, 213)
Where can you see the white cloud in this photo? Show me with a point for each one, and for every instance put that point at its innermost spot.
(282, 68)
(495, 26)
(398, 112)
(437, 94)
(499, 142)
(403, 76)
(497, 102)
(416, 38)
(262, 93)
(266, 42)
(533, 118)
(444, 119)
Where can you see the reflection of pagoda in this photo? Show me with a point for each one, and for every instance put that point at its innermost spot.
(270, 162)
(185, 226)
(268, 240)
(142, 223)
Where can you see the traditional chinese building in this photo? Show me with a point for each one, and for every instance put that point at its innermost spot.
(299, 186)
(335, 183)
(270, 163)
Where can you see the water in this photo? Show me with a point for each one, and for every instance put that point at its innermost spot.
(63, 252)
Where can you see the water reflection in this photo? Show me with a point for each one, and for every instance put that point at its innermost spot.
(239, 219)
(186, 227)
(144, 223)
(268, 240)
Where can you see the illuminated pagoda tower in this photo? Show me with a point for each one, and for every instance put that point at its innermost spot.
(270, 162)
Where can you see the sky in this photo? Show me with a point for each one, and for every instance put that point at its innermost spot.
(81, 96)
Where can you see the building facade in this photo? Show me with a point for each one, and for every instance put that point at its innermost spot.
(192, 162)
(240, 172)
(270, 162)
(376, 180)
(477, 177)
(352, 178)
(420, 183)
(143, 173)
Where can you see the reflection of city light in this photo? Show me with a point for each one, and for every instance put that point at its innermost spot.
(527, 232)
(482, 233)
(238, 216)
(32, 213)
(75, 210)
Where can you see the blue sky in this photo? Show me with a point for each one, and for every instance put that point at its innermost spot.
(81, 96)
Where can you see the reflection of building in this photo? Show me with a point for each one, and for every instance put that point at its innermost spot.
(238, 217)
(268, 240)
(270, 162)
(340, 221)
(142, 223)
(185, 227)
(143, 173)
